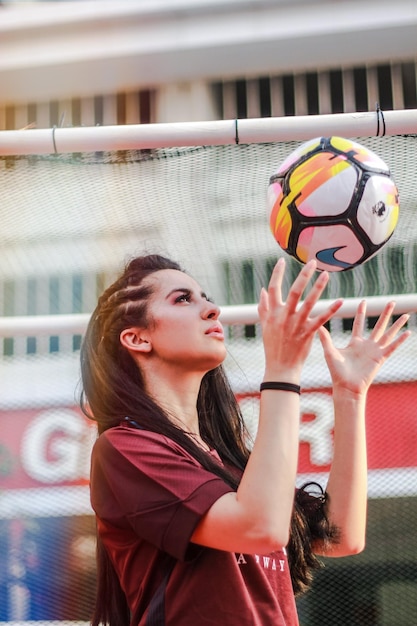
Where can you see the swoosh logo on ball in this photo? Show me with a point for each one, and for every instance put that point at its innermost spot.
(327, 256)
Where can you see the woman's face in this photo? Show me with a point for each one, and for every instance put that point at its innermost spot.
(184, 328)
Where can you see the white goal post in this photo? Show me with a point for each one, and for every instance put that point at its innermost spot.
(230, 315)
(223, 132)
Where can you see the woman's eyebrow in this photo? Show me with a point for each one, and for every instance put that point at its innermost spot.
(187, 290)
(179, 290)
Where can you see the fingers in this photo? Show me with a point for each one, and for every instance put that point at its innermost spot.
(312, 297)
(382, 322)
(263, 302)
(322, 318)
(299, 285)
(275, 283)
(389, 336)
(325, 337)
(396, 343)
(359, 320)
(399, 323)
(386, 337)
(273, 298)
(379, 330)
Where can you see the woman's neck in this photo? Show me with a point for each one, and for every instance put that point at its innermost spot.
(177, 396)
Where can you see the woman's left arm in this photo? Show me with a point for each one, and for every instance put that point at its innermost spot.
(352, 370)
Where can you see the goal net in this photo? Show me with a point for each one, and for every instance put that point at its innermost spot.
(69, 222)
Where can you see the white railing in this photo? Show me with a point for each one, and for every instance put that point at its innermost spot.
(221, 132)
(230, 315)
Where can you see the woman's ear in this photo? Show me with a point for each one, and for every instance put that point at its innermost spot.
(135, 339)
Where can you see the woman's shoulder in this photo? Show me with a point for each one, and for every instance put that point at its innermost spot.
(124, 435)
(127, 440)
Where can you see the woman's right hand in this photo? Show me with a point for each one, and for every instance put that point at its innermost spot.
(288, 329)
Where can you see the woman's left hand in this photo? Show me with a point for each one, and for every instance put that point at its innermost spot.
(354, 367)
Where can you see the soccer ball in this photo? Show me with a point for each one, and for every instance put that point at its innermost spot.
(332, 200)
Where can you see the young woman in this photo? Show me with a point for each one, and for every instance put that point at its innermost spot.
(193, 528)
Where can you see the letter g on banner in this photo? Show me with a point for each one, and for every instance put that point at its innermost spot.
(55, 447)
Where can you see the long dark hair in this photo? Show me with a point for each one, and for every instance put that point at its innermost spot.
(113, 388)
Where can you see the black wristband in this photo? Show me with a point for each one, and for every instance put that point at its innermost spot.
(281, 386)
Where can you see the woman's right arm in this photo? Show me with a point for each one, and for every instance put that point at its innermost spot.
(256, 518)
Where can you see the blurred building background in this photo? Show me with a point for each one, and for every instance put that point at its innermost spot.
(140, 61)
(87, 63)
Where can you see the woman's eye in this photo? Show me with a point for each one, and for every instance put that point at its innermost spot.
(184, 297)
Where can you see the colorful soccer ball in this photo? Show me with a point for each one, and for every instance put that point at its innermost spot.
(332, 200)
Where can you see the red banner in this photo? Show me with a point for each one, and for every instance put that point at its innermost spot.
(51, 447)
(44, 447)
(391, 426)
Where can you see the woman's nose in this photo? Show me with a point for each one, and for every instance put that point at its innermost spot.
(211, 311)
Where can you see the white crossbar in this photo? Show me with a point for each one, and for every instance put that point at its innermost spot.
(222, 132)
(230, 315)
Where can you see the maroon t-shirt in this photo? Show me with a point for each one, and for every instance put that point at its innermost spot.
(149, 494)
